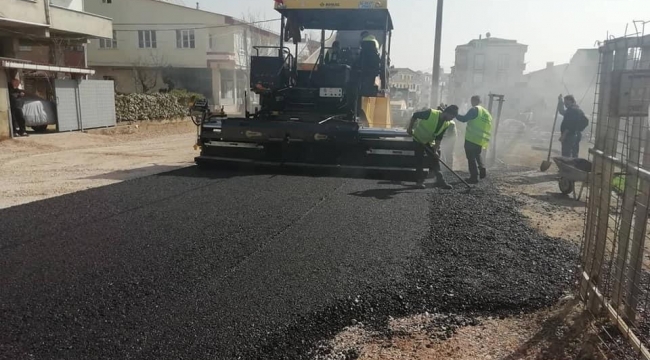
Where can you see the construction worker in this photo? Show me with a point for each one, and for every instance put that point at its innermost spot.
(477, 138)
(428, 133)
(369, 64)
(370, 41)
(573, 123)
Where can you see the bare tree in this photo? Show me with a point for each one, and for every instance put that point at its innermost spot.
(147, 72)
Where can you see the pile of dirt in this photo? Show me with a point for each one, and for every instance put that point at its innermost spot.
(479, 259)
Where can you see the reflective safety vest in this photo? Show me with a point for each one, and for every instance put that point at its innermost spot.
(479, 130)
(373, 39)
(425, 131)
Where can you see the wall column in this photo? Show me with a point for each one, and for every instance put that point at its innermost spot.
(5, 122)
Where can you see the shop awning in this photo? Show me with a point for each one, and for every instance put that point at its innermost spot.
(30, 66)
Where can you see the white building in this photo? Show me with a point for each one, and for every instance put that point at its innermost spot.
(485, 65)
(159, 45)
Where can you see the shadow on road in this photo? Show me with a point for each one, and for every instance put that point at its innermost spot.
(230, 170)
(385, 194)
(135, 173)
(562, 334)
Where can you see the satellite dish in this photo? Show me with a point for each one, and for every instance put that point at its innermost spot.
(487, 36)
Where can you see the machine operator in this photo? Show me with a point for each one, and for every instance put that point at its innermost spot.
(428, 133)
(333, 55)
(477, 138)
(369, 63)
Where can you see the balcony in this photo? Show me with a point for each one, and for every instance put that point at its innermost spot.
(71, 21)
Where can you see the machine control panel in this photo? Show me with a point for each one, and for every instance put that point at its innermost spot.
(331, 92)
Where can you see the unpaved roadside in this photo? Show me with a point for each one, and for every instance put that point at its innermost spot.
(47, 165)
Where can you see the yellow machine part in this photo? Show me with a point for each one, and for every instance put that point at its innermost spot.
(377, 111)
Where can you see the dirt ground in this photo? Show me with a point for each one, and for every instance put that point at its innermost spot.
(47, 165)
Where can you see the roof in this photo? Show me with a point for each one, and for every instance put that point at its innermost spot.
(405, 70)
(556, 69)
(492, 41)
(350, 15)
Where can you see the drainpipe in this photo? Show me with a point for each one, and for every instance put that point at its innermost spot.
(48, 18)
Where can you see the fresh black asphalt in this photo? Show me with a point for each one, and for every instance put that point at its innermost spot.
(224, 265)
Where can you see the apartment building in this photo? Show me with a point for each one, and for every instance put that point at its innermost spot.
(160, 45)
(413, 87)
(485, 65)
(41, 40)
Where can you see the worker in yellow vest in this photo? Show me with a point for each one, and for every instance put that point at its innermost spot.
(477, 138)
(428, 128)
(368, 64)
(367, 38)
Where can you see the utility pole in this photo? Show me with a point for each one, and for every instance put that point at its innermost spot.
(435, 74)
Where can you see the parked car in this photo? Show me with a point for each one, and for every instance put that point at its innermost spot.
(39, 113)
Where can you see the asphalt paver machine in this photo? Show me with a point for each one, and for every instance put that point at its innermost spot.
(320, 114)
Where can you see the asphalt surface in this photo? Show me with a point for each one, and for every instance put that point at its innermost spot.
(183, 265)
(225, 265)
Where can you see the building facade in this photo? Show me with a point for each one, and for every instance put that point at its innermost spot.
(543, 86)
(41, 40)
(178, 47)
(486, 65)
(412, 87)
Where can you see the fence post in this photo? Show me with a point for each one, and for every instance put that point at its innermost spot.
(637, 247)
(606, 171)
(594, 189)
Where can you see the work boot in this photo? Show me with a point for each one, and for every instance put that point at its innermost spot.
(483, 173)
(472, 180)
(441, 183)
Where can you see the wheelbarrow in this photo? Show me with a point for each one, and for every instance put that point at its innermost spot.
(569, 175)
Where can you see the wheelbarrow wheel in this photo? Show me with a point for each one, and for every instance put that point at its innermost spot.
(566, 186)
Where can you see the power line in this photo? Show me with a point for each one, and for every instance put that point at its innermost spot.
(189, 28)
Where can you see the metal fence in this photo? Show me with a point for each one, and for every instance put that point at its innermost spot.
(615, 258)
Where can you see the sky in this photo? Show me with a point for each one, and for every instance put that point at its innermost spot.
(552, 29)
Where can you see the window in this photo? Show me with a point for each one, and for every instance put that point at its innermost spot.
(479, 61)
(107, 1)
(109, 43)
(478, 78)
(147, 39)
(212, 42)
(24, 46)
(185, 39)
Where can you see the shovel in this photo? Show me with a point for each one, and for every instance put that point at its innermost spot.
(432, 153)
(546, 164)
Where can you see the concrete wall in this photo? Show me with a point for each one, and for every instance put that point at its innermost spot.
(4, 105)
(28, 11)
(80, 22)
